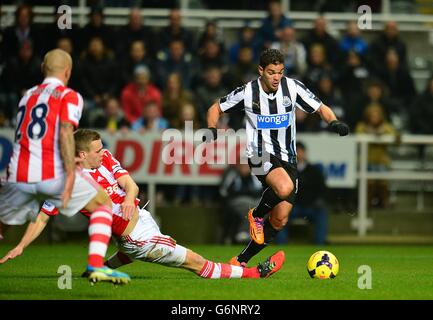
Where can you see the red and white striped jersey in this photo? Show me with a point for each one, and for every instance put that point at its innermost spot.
(36, 152)
(106, 176)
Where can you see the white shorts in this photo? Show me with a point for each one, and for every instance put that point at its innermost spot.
(146, 243)
(21, 202)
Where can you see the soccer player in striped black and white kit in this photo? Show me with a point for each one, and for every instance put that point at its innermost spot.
(43, 164)
(269, 104)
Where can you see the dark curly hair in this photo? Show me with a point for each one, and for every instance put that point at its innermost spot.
(271, 56)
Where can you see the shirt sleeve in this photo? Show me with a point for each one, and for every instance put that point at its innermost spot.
(233, 101)
(114, 165)
(305, 99)
(72, 108)
(49, 209)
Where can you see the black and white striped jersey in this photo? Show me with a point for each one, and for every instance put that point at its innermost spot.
(270, 124)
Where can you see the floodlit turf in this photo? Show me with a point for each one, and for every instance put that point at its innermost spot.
(398, 272)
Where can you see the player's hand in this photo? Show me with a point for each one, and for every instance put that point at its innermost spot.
(128, 208)
(15, 252)
(67, 191)
(339, 127)
(210, 135)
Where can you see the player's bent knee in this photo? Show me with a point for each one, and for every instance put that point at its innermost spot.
(283, 191)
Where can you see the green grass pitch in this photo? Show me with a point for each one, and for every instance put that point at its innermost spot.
(398, 272)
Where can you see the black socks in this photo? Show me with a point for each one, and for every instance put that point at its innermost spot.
(253, 248)
(268, 201)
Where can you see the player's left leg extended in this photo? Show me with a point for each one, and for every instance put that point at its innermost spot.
(276, 221)
(213, 270)
(146, 243)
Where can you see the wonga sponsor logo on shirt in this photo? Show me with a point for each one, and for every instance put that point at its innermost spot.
(276, 121)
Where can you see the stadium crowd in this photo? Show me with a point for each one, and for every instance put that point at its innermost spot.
(134, 77)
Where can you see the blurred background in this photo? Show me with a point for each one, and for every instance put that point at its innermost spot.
(146, 66)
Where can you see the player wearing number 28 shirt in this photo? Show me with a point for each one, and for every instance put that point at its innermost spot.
(43, 165)
(36, 154)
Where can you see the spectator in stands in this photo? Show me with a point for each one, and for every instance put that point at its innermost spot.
(173, 98)
(378, 158)
(422, 111)
(97, 28)
(310, 199)
(185, 193)
(352, 40)
(209, 91)
(66, 44)
(21, 72)
(112, 119)
(246, 38)
(98, 73)
(319, 35)
(239, 190)
(244, 70)
(23, 31)
(176, 59)
(317, 67)
(150, 120)
(388, 39)
(354, 75)
(211, 32)
(398, 80)
(138, 93)
(135, 30)
(330, 96)
(209, 55)
(421, 114)
(137, 56)
(375, 92)
(295, 56)
(272, 24)
(187, 112)
(175, 30)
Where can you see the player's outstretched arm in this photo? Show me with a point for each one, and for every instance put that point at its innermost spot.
(33, 230)
(334, 124)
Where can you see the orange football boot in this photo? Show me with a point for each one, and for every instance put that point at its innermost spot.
(256, 228)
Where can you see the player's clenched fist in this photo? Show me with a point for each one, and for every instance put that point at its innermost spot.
(211, 135)
(339, 127)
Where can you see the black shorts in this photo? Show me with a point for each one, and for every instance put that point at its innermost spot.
(261, 169)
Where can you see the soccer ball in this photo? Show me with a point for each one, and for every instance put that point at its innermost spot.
(322, 265)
